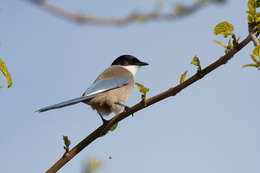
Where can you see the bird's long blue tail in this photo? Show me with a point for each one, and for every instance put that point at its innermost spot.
(65, 103)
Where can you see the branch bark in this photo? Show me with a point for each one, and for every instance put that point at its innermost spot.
(254, 39)
(180, 11)
(252, 31)
(103, 129)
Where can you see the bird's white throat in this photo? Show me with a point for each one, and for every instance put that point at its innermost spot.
(132, 68)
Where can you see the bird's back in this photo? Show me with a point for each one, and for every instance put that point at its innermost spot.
(105, 103)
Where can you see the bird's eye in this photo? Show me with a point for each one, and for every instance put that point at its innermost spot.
(125, 63)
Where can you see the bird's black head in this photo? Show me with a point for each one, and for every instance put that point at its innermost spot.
(126, 60)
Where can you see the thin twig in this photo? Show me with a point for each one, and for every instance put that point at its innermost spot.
(254, 39)
(103, 129)
(252, 29)
(155, 14)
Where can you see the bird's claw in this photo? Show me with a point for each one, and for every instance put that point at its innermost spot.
(126, 108)
(103, 119)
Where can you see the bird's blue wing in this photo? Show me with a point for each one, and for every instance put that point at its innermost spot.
(100, 86)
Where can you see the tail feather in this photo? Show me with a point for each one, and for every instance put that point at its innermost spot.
(65, 103)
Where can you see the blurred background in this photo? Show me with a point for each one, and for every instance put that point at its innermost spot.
(211, 126)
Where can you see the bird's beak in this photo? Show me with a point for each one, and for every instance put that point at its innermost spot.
(142, 64)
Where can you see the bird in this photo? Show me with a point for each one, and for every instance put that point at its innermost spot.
(111, 89)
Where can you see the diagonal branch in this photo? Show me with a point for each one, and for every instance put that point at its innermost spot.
(251, 29)
(155, 14)
(103, 129)
(254, 39)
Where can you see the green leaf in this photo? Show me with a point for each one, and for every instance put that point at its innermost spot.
(183, 77)
(112, 128)
(224, 28)
(256, 51)
(66, 141)
(143, 90)
(251, 65)
(4, 70)
(255, 58)
(252, 13)
(230, 45)
(257, 3)
(196, 61)
(219, 43)
(250, 19)
(251, 5)
(257, 19)
(94, 164)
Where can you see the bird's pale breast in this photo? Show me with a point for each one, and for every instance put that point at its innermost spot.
(105, 103)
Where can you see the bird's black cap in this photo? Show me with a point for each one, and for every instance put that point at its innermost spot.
(126, 60)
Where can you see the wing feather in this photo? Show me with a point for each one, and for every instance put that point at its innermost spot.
(98, 87)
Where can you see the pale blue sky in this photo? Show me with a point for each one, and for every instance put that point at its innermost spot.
(210, 127)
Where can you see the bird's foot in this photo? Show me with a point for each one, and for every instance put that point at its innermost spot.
(103, 119)
(126, 108)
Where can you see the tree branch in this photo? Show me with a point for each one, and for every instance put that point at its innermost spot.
(252, 31)
(254, 39)
(180, 11)
(103, 129)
